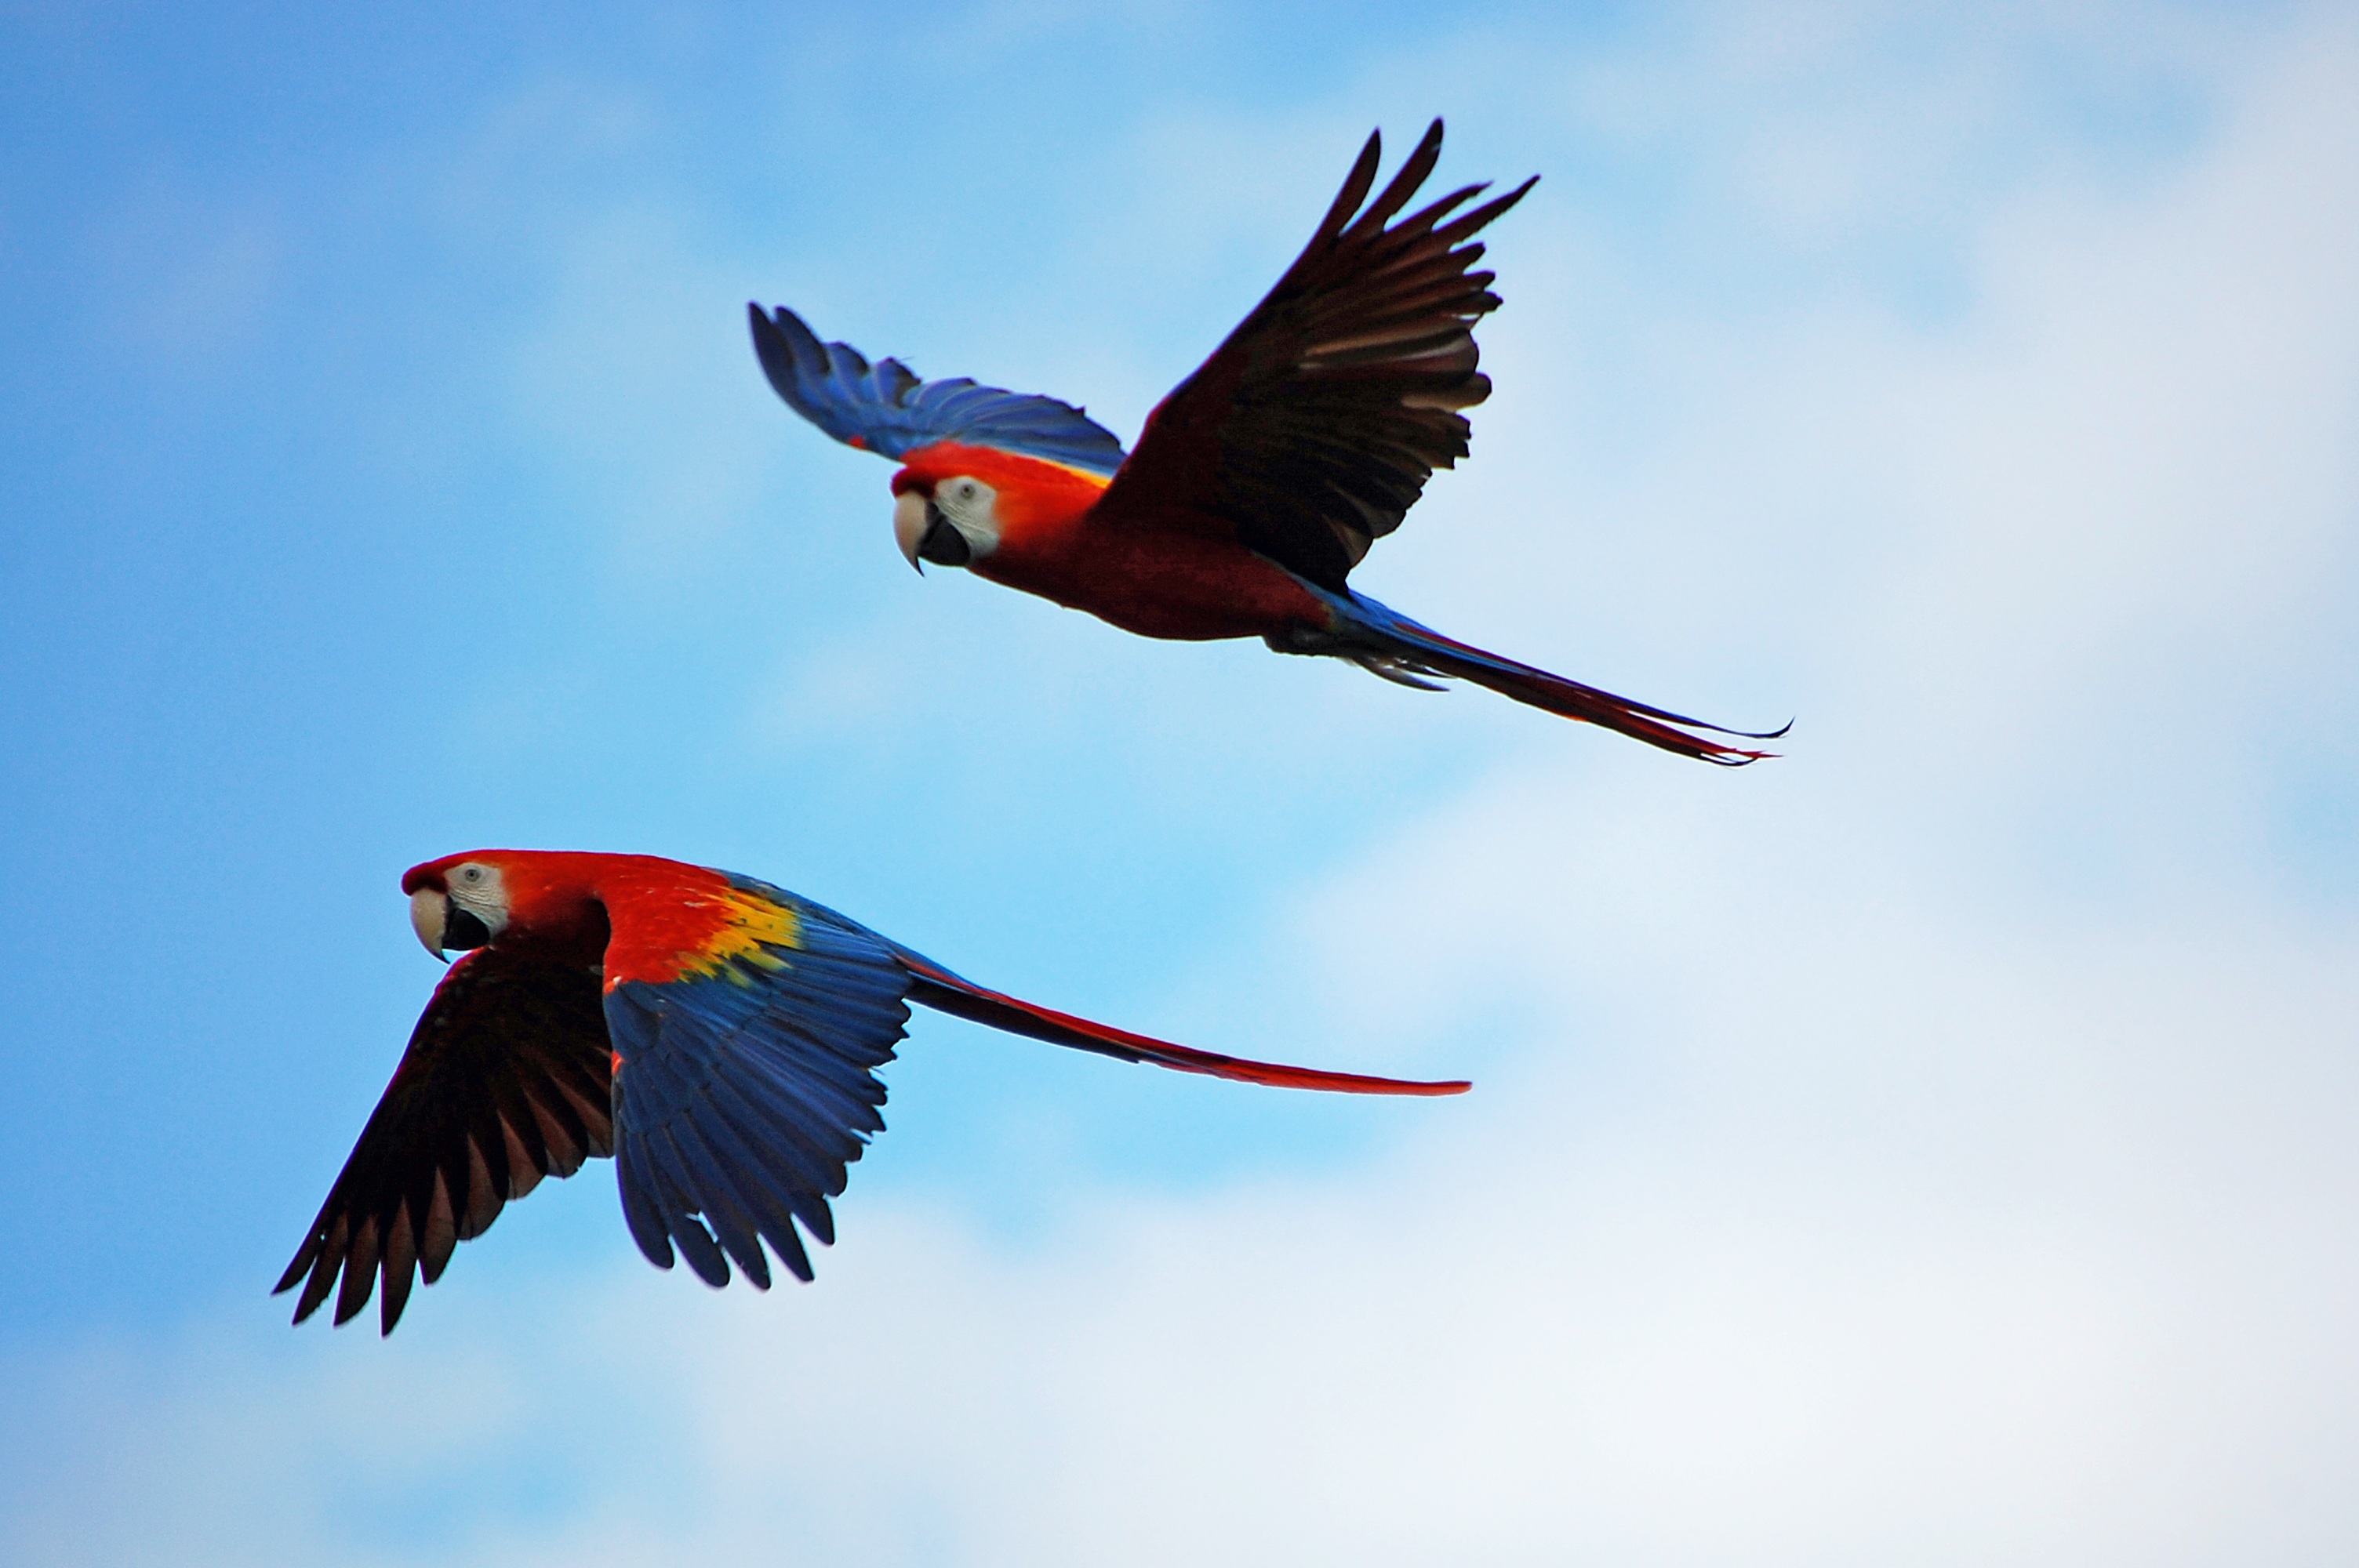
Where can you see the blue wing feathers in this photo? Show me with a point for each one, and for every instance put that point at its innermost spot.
(696, 1243)
(828, 1129)
(886, 408)
(786, 1130)
(803, 1102)
(743, 1096)
(728, 1208)
(674, 1190)
(769, 1206)
(712, 1202)
(639, 1212)
(767, 1118)
(770, 1199)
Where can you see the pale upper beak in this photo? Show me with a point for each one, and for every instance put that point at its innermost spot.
(910, 520)
(926, 533)
(428, 913)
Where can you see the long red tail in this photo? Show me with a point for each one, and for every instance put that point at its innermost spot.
(937, 988)
(1407, 650)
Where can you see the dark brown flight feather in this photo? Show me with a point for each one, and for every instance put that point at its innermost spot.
(506, 1081)
(1311, 431)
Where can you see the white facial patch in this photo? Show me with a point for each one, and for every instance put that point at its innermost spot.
(477, 889)
(972, 507)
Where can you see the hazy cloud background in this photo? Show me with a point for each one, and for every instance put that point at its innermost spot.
(1935, 1146)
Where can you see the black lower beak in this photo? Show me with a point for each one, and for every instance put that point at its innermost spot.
(462, 932)
(942, 544)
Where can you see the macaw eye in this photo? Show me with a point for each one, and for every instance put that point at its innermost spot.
(966, 490)
(473, 876)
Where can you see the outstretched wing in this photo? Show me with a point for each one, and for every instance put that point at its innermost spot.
(744, 1080)
(504, 1083)
(883, 407)
(1311, 431)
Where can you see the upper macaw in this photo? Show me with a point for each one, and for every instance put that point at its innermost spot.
(1258, 485)
(717, 1036)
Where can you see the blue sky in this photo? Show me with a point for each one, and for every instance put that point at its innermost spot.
(1941, 1133)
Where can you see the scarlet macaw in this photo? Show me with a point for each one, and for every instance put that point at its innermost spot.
(1258, 485)
(715, 1034)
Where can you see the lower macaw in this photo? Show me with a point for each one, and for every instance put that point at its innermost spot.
(1258, 484)
(715, 1034)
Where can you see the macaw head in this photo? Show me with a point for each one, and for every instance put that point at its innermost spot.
(458, 902)
(950, 522)
(944, 511)
(464, 902)
(953, 504)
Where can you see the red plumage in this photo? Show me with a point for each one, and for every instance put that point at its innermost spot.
(1258, 485)
(716, 1035)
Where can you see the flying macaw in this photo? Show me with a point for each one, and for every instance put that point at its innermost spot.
(1258, 484)
(715, 1034)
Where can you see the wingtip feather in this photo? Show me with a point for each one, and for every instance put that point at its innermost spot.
(299, 1267)
(1356, 185)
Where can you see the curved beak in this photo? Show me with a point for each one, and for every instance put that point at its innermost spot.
(430, 912)
(910, 523)
(925, 535)
(443, 927)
